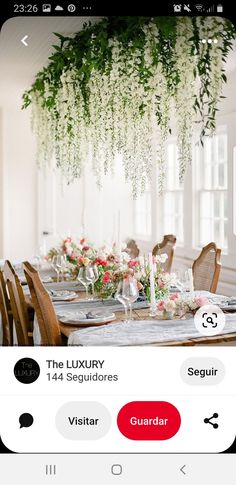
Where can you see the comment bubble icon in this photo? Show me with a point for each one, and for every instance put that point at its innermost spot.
(26, 420)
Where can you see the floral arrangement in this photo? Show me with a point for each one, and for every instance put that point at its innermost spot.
(162, 279)
(77, 254)
(115, 272)
(113, 88)
(176, 306)
(113, 265)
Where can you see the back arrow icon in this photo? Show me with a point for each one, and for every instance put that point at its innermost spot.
(24, 40)
(182, 469)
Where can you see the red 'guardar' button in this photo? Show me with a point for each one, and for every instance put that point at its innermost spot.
(149, 420)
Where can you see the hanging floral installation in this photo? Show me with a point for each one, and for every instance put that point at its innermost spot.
(116, 86)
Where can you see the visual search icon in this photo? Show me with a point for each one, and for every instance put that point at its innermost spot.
(209, 320)
(209, 420)
(26, 420)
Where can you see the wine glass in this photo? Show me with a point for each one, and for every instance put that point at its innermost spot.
(127, 293)
(39, 256)
(56, 265)
(37, 260)
(63, 266)
(86, 277)
(180, 280)
(184, 282)
(95, 278)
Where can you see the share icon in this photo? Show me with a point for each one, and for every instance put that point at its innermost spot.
(208, 420)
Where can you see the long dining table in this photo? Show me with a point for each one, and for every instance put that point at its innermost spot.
(142, 330)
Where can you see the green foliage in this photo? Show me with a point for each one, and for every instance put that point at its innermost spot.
(69, 101)
(76, 52)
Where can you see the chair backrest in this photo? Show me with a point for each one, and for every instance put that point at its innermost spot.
(6, 323)
(47, 320)
(132, 248)
(167, 246)
(18, 304)
(206, 268)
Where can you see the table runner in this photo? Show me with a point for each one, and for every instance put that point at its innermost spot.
(61, 286)
(142, 332)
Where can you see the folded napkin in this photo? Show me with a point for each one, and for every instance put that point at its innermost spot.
(85, 316)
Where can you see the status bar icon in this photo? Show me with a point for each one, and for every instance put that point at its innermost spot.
(187, 8)
(177, 8)
(199, 7)
(219, 8)
(46, 8)
(71, 8)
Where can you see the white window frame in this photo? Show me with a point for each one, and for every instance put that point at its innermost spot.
(189, 251)
(198, 157)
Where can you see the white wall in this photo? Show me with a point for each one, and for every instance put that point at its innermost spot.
(1, 188)
(18, 183)
(83, 210)
(35, 200)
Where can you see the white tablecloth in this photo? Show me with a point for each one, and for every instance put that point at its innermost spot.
(134, 333)
(142, 332)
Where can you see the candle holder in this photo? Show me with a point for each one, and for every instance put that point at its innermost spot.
(153, 307)
(153, 310)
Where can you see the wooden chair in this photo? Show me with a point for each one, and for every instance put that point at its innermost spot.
(18, 304)
(167, 246)
(132, 249)
(47, 320)
(206, 268)
(6, 317)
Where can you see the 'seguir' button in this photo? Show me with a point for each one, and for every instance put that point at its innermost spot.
(203, 371)
(149, 420)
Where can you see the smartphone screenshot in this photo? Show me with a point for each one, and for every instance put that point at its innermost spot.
(117, 243)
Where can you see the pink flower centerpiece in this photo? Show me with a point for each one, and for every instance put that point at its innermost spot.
(112, 264)
(162, 279)
(176, 307)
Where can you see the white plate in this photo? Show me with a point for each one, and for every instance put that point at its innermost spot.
(63, 295)
(79, 318)
(46, 279)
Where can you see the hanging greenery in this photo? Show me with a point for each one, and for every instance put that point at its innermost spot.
(115, 87)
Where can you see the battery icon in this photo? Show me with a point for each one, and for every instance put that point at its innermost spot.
(219, 8)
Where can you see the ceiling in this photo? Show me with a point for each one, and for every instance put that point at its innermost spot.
(20, 64)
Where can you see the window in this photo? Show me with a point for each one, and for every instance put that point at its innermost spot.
(211, 211)
(143, 226)
(173, 210)
(196, 212)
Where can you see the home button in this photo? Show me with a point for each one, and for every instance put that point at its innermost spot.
(116, 469)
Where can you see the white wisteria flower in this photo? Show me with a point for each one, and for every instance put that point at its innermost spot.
(122, 100)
